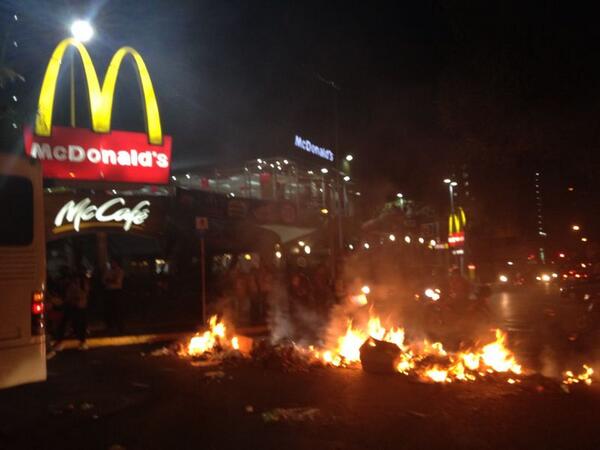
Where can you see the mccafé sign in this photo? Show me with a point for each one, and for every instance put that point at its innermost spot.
(68, 214)
(99, 154)
(112, 212)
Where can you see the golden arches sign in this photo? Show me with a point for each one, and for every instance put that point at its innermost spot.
(457, 222)
(101, 98)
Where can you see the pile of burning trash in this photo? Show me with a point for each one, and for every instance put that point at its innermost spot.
(375, 348)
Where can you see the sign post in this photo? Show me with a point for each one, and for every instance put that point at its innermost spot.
(201, 228)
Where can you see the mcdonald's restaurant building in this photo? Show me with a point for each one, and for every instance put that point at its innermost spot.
(109, 194)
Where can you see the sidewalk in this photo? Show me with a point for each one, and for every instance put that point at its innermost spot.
(147, 338)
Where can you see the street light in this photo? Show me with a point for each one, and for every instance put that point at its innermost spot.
(349, 158)
(399, 195)
(575, 228)
(82, 31)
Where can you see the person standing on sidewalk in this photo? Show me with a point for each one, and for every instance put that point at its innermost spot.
(113, 288)
(75, 310)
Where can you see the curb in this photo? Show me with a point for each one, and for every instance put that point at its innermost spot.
(119, 341)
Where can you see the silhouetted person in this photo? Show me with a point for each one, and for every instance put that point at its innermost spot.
(75, 310)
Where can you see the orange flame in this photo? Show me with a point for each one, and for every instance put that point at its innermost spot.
(416, 357)
(585, 377)
(216, 335)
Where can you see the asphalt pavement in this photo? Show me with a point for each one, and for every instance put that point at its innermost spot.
(542, 327)
(129, 398)
(114, 398)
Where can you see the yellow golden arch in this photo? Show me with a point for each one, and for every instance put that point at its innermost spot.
(457, 221)
(101, 99)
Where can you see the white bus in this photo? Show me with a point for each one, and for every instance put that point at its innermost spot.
(22, 272)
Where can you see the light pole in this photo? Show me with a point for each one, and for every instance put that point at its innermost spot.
(82, 31)
(451, 185)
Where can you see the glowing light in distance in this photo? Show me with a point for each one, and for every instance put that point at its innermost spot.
(351, 247)
(301, 243)
(447, 180)
(82, 30)
(349, 158)
(432, 243)
(503, 279)
(421, 240)
(365, 290)
(561, 255)
(584, 239)
(247, 256)
(366, 246)
(278, 254)
(346, 178)
(307, 249)
(433, 294)
(324, 211)
(324, 170)
(392, 238)
(575, 228)
(510, 263)
(545, 277)
(399, 195)
(407, 239)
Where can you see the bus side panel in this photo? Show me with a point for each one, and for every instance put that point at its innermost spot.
(22, 272)
(23, 364)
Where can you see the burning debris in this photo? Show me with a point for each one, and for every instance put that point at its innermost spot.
(375, 348)
(215, 339)
(584, 377)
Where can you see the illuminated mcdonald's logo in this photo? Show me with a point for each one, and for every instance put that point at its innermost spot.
(457, 221)
(103, 154)
(456, 228)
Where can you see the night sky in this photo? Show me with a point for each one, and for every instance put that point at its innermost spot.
(427, 89)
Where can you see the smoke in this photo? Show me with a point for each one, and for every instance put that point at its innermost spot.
(278, 315)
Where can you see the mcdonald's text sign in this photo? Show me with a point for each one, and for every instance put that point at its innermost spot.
(81, 154)
(100, 153)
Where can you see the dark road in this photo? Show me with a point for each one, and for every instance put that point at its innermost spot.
(539, 323)
(107, 398)
(127, 398)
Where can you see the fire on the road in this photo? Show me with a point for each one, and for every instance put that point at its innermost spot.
(427, 361)
(215, 336)
(585, 377)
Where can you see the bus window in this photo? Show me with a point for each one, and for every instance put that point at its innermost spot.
(16, 198)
